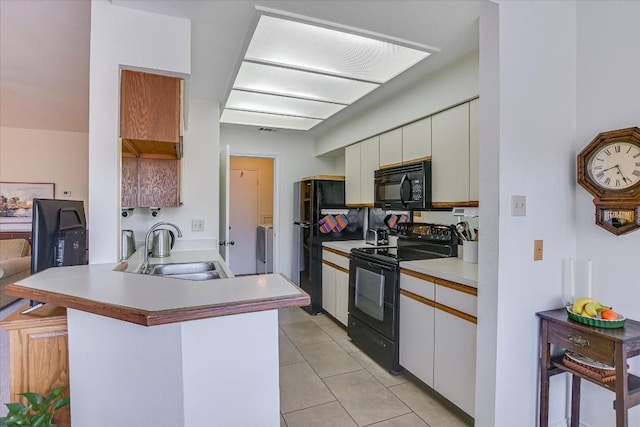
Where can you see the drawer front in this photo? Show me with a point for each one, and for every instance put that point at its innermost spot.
(457, 300)
(421, 287)
(582, 342)
(336, 259)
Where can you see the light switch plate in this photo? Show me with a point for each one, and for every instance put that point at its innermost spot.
(518, 205)
(537, 250)
(197, 225)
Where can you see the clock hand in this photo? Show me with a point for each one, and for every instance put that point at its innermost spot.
(614, 166)
(621, 174)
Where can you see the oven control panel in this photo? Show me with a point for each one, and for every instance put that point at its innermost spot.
(433, 232)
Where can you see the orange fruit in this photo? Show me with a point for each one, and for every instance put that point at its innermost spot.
(608, 314)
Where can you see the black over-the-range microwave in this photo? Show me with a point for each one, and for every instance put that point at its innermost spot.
(404, 187)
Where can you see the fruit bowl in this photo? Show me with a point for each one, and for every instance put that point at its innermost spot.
(596, 321)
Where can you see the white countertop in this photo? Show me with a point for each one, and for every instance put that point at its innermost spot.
(99, 289)
(453, 269)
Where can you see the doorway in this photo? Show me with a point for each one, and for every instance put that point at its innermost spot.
(251, 215)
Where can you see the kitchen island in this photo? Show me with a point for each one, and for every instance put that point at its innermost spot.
(148, 350)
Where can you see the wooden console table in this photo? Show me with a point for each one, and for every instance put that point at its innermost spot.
(39, 357)
(610, 346)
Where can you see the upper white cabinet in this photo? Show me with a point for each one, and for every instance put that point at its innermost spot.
(473, 151)
(352, 165)
(369, 163)
(416, 140)
(361, 160)
(448, 138)
(391, 148)
(450, 157)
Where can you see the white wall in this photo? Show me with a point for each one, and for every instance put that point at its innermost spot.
(34, 155)
(451, 86)
(537, 122)
(294, 159)
(608, 90)
(130, 38)
(199, 183)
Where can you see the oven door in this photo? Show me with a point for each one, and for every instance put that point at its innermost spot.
(373, 294)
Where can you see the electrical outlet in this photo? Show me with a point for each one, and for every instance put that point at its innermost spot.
(197, 225)
(66, 194)
(537, 250)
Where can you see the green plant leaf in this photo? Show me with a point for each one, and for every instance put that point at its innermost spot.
(61, 403)
(14, 407)
(34, 399)
(40, 420)
(57, 391)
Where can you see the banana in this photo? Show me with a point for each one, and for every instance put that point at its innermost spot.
(579, 304)
(591, 309)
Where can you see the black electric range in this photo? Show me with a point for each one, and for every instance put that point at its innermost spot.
(374, 287)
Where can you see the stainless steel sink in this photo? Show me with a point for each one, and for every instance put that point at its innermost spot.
(181, 268)
(206, 270)
(205, 275)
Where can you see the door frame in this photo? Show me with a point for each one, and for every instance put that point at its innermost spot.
(276, 200)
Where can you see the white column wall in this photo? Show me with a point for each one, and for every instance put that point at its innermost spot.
(608, 85)
(537, 68)
(121, 36)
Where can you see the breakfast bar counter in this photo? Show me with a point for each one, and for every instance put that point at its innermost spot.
(151, 350)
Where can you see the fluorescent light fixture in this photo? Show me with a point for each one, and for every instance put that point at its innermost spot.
(296, 74)
(274, 104)
(300, 84)
(267, 120)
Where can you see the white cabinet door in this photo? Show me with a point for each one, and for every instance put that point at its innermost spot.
(329, 289)
(455, 360)
(416, 140)
(391, 148)
(416, 338)
(473, 151)
(369, 162)
(342, 296)
(450, 155)
(352, 174)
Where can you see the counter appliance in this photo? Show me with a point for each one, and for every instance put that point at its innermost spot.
(376, 236)
(374, 287)
(320, 215)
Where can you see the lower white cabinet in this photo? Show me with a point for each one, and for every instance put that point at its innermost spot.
(438, 335)
(454, 361)
(335, 284)
(329, 289)
(416, 338)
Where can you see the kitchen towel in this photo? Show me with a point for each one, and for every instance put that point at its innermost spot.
(327, 224)
(392, 221)
(341, 223)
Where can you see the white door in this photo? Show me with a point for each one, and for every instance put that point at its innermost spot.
(223, 230)
(243, 221)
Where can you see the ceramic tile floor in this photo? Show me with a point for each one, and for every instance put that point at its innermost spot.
(326, 381)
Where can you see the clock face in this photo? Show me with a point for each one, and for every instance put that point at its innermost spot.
(615, 166)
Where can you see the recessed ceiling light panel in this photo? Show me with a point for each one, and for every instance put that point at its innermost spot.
(260, 102)
(309, 47)
(267, 120)
(300, 84)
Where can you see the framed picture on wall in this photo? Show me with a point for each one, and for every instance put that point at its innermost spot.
(16, 203)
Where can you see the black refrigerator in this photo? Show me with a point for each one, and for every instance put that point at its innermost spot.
(320, 215)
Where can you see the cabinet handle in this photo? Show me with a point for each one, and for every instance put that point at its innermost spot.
(579, 341)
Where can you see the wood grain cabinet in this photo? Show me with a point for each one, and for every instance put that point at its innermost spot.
(438, 335)
(149, 182)
(149, 107)
(39, 360)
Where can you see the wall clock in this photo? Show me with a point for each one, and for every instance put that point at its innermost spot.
(609, 169)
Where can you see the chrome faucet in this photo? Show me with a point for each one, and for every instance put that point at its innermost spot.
(145, 264)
